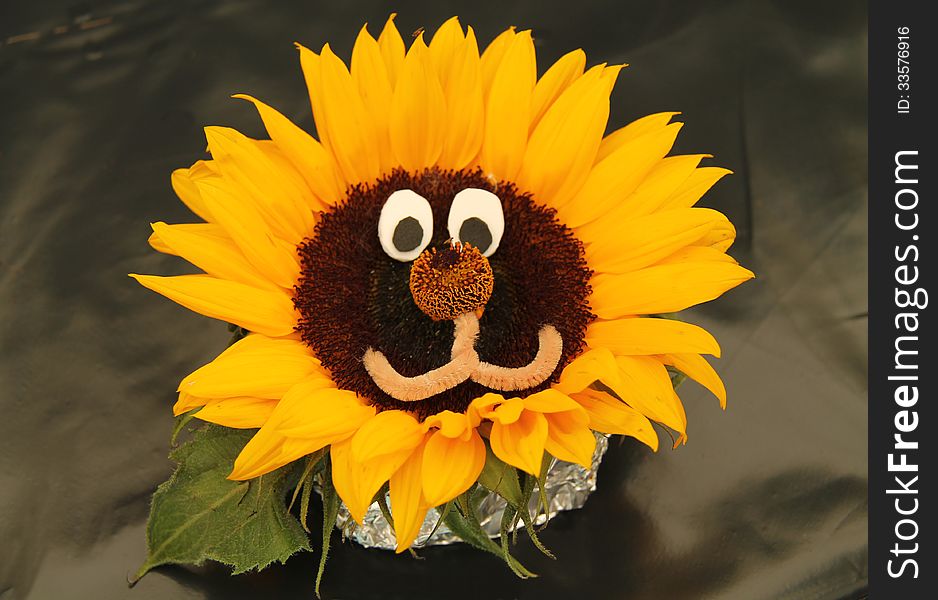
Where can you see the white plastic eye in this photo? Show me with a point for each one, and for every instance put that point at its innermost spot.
(476, 218)
(406, 225)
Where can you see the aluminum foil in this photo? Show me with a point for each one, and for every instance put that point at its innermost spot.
(567, 487)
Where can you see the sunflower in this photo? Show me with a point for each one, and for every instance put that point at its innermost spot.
(461, 260)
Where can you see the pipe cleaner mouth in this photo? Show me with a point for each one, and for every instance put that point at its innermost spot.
(465, 364)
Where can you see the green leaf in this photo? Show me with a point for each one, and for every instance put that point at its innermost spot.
(198, 514)
(501, 478)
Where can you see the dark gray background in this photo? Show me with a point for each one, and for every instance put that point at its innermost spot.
(768, 500)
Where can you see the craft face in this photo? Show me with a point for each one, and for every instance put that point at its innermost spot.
(380, 274)
(440, 277)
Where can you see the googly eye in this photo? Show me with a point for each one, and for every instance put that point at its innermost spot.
(405, 225)
(476, 217)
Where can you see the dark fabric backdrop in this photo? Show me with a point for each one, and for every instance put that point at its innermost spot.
(767, 500)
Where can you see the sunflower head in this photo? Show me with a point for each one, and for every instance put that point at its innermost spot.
(460, 262)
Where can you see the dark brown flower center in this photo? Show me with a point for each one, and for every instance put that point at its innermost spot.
(351, 296)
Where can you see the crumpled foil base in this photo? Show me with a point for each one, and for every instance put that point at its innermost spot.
(567, 488)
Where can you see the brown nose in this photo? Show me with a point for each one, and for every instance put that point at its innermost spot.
(451, 281)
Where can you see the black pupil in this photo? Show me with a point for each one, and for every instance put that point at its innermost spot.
(474, 231)
(407, 235)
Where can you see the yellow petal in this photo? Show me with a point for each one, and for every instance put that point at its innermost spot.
(307, 155)
(646, 386)
(370, 75)
(632, 131)
(569, 437)
(350, 129)
(664, 178)
(721, 236)
(392, 49)
(493, 56)
(593, 365)
(311, 64)
(562, 147)
(450, 466)
(242, 162)
(239, 413)
(286, 171)
(332, 420)
(645, 240)
(611, 415)
(508, 412)
(682, 432)
(356, 482)
(663, 288)
(316, 410)
(618, 175)
(272, 256)
(457, 64)
(610, 74)
(445, 45)
(183, 182)
(697, 368)
(262, 311)
(202, 229)
(264, 368)
(267, 451)
(217, 255)
(187, 402)
(695, 186)
(418, 112)
(408, 506)
(451, 424)
(521, 444)
(262, 454)
(508, 109)
(553, 83)
(644, 336)
(551, 400)
(483, 407)
(389, 432)
(698, 254)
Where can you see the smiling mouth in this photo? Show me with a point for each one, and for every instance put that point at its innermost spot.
(464, 364)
